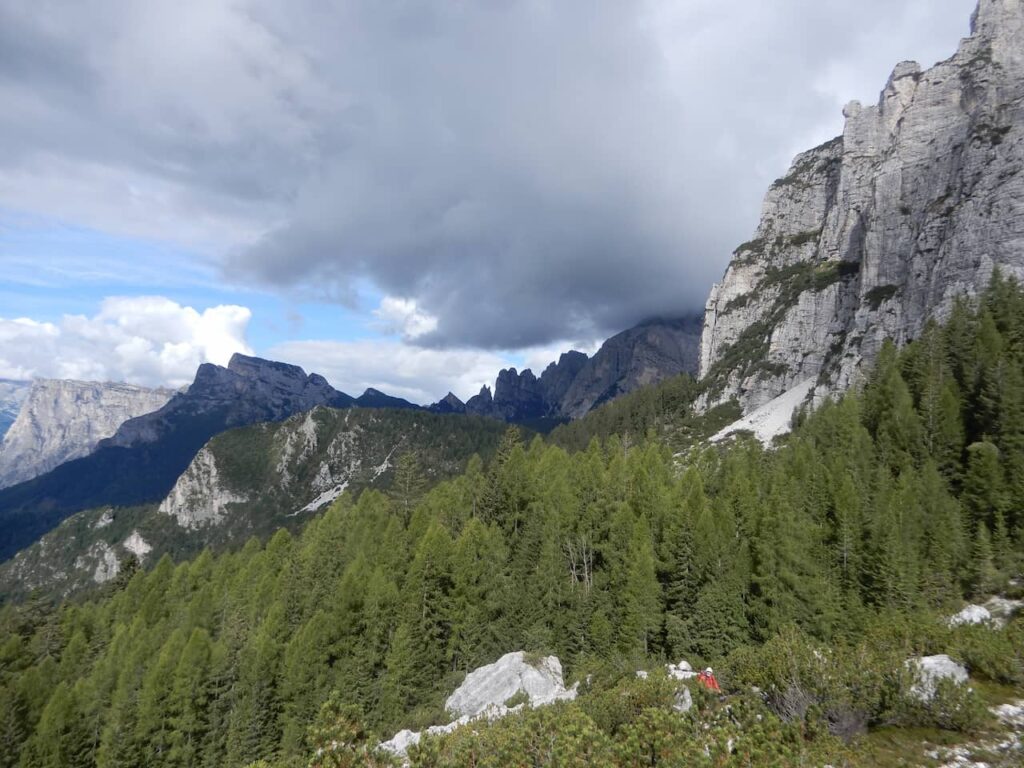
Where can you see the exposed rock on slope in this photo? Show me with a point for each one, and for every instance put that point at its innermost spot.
(62, 420)
(576, 384)
(494, 684)
(486, 690)
(12, 395)
(871, 234)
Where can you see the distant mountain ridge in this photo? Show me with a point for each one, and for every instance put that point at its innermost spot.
(61, 419)
(574, 385)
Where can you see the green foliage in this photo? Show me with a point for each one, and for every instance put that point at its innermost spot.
(811, 571)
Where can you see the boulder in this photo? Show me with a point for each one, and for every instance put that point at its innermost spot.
(684, 700)
(486, 689)
(681, 671)
(494, 684)
(929, 670)
(972, 614)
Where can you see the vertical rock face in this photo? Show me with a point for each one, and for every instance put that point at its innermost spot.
(871, 234)
(12, 395)
(62, 420)
(576, 384)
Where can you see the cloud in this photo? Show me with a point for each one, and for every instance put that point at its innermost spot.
(519, 171)
(143, 339)
(419, 374)
(402, 316)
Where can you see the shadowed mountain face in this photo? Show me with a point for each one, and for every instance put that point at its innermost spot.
(144, 458)
(643, 355)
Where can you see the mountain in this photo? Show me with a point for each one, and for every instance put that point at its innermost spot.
(248, 482)
(142, 460)
(12, 395)
(573, 386)
(876, 231)
(374, 398)
(62, 420)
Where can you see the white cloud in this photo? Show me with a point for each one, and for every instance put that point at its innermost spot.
(404, 317)
(422, 375)
(140, 339)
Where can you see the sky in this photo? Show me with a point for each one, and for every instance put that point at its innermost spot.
(396, 194)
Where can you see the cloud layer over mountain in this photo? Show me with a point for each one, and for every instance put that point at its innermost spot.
(508, 173)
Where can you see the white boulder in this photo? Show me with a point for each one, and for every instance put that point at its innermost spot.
(972, 614)
(485, 690)
(684, 700)
(494, 684)
(929, 670)
(399, 743)
(1003, 609)
(681, 671)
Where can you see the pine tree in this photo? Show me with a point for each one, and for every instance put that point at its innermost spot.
(409, 483)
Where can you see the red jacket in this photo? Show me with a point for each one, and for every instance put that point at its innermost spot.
(709, 682)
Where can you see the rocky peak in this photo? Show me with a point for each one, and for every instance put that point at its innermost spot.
(248, 390)
(869, 235)
(448, 404)
(569, 388)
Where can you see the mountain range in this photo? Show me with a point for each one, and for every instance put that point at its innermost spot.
(867, 237)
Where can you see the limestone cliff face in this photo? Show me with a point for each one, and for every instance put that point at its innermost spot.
(12, 395)
(62, 420)
(871, 234)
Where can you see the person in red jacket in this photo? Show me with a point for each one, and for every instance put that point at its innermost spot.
(707, 679)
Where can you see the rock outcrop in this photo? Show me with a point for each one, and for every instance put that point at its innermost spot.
(62, 420)
(871, 234)
(12, 395)
(514, 673)
(485, 693)
(575, 385)
(930, 670)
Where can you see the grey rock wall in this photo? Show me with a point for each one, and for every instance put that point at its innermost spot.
(871, 234)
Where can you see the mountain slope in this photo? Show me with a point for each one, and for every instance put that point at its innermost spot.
(249, 482)
(62, 420)
(871, 234)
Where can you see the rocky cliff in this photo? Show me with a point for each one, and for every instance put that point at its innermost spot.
(874, 232)
(12, 395)
(62, 420)
(576, 384)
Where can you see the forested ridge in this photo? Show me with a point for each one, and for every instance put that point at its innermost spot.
(839, 549)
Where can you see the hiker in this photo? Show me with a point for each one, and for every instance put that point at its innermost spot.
(707, 679)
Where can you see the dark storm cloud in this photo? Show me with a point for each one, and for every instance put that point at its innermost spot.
(524, 171)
